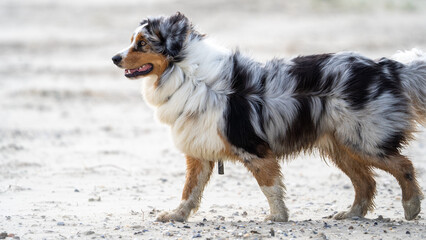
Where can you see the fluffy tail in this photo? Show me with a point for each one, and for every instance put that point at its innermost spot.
(414, 79)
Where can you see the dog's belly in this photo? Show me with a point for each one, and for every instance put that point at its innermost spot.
(198, 135)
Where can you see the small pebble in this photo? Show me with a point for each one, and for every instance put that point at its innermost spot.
(407, 232)
(186, 226)
(60, 224)
(198, 235)
(323, 236)
(76, 190)
(351, 227)
(95, 199)
(89, 232)
(272, 232)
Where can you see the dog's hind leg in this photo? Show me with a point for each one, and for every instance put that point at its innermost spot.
(362, 178)
(267, 172)
(402, 169)
(197, 175)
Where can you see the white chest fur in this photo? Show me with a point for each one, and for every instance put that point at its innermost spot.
(198, 136)
(193, 114)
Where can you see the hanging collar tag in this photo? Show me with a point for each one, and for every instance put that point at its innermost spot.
(220, 167)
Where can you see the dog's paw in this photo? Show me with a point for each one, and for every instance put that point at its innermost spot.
(412, 207)
(277, 217)
(347, 214)
(171, 216)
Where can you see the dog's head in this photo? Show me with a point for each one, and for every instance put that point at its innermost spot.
(155, 45)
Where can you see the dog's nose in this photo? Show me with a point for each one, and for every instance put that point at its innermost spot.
(116, 59)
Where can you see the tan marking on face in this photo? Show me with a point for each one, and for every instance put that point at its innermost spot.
(140, 37)
(136, 59)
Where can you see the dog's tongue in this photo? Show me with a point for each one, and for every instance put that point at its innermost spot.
(145, 67)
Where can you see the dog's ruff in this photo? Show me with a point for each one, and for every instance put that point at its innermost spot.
(222, 105)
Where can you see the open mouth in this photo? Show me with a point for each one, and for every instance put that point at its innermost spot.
(145, 69)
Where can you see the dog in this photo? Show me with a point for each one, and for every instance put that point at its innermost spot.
(221, 105)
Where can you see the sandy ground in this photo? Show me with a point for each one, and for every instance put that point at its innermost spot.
(81, 155)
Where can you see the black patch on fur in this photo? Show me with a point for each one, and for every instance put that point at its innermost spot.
(302, 133)
(393, 144)
(308, 74)
(307, 71)
(239, 130)
(389, 80)
(383, 75)
(364, 72)
(409, 176)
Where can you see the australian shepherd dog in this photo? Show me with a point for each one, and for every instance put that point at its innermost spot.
(221, 105)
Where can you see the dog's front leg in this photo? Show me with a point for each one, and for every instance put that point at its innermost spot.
(198, 173)
(267, 172)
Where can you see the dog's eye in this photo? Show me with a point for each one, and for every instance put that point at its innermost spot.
(140, 44)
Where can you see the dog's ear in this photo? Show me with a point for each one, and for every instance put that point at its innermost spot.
(175, 32)
(168, 34)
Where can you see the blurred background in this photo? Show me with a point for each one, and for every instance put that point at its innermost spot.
(78, 144)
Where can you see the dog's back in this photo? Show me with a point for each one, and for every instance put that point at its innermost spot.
(368, 106)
